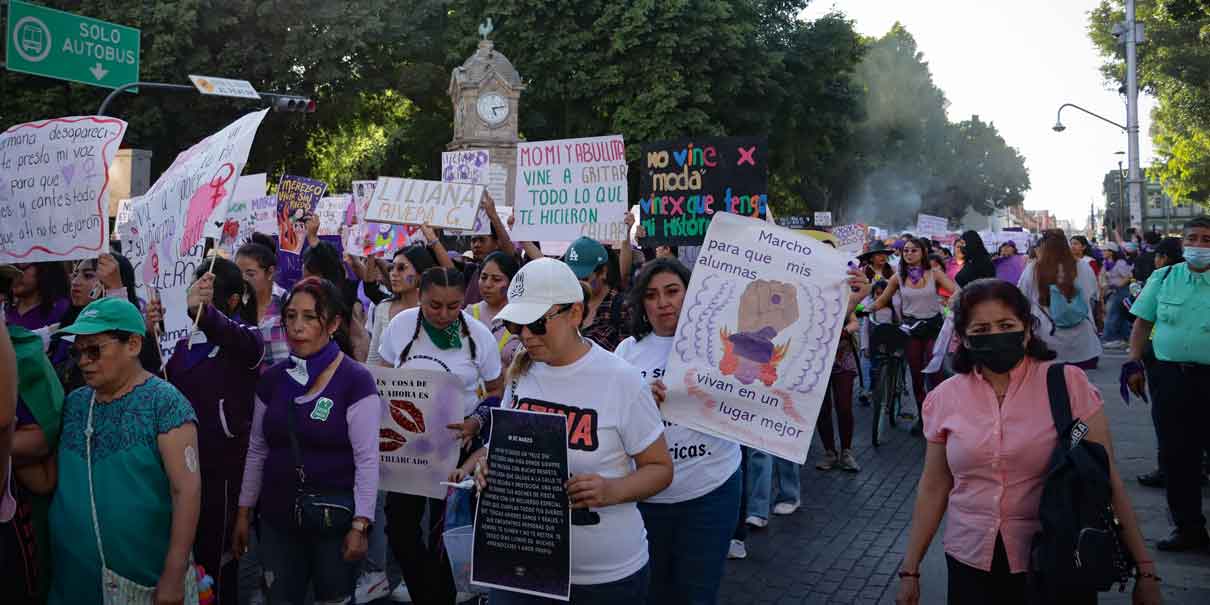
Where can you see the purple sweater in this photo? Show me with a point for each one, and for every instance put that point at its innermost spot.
(337, 432)
(220, 386)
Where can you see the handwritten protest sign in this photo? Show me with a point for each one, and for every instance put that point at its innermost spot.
(248, 187)
(380, 238)
(331, 211)
(194, 185)
(684, 183)
(416, 451)
(264, 214)
(54, 188)
(568, 188)
(522, 535)
(121, 217)
(928, 225)
(472, 167)
(416, 202)
(758, 332)
(852, 237)
(297, 197)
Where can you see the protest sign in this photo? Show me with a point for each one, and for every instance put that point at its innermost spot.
(684, 183)
(297, 197)
(331, 212)
(121, 218)
(174, 211)
(54, 188)
(416, 202)
(823, 219)
(928, 225)
(363, 192)
(416, 451)
(852, 237)
(523, 524)
(753, 352)
(264, 214)
(248, 187)
(795, 221)
(568, 188)
(379, 238)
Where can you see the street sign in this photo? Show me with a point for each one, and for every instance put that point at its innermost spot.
(51, 43)
(225, 87)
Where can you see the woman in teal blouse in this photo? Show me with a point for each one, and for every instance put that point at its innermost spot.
(144, 468)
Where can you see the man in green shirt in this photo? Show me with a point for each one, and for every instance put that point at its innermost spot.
(1176, 302)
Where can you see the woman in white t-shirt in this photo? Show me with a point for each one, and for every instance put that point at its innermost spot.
(495, 274)
(615, 463)
(1063, 292)
(690, 523)
(437, 335)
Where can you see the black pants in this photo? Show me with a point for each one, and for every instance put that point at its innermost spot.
(426, 570)
(996, 587)
(741, 528)
(1182, 417)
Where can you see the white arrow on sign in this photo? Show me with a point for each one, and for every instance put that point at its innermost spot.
(99, 72)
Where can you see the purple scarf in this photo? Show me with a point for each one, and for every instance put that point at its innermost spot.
(303, 372)
(915, 274)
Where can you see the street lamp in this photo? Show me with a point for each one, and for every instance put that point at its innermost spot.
(1059, 127)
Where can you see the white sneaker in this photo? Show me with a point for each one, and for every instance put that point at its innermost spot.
(401, 594)
(737, 550)
(371, 587)
(829, 461)
(848, 462)
(785, 508)
(1116, 344)
(755, 521)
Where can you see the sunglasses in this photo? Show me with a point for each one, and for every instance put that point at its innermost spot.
(91, 352)
(538, 327)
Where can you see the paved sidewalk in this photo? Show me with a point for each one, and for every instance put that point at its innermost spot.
(845, 544)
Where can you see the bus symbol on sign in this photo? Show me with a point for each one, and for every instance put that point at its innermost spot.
(33, 39)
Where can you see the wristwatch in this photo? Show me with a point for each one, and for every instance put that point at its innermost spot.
(361, 525)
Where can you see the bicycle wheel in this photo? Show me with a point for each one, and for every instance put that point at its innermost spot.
(895, 400)
(883, 391)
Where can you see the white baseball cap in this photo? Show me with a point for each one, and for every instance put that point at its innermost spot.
(537, 287)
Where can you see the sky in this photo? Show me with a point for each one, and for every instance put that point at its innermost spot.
(1013, 63)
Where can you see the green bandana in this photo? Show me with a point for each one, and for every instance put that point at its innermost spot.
(444, 339)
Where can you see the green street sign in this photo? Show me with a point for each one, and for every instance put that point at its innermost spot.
(47, 42)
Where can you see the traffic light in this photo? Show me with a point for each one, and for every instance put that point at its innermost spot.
(289, 103)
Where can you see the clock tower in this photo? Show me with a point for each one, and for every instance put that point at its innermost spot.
(486, 90)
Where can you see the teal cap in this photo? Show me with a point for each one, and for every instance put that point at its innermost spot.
(584, 256)
(107, 314)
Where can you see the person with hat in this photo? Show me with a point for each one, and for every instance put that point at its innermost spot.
(876, 263)
(1176, 304)
(620, 459)
(129, 489)
(605, 316)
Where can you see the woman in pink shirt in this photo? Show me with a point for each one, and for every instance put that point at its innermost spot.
(990, 437)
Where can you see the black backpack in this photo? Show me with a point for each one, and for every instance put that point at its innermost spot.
(1079, 548)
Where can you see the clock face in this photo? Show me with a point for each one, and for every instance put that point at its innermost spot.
(492, 108)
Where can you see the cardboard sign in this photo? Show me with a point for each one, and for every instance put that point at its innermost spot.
(472, 167)
(331, 211)
(852, 237)
(297, 197)
(685, 183)
(415, 202)
(568, 188)
(757, 337)
(523, 523)
(416, 451)
(379, 239)
(928, 225)
(54, 188)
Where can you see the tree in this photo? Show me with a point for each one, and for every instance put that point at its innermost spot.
(1174, 66)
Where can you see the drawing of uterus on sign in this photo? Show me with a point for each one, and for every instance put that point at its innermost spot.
(766, 309)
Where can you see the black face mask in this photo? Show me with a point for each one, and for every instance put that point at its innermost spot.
(997, 352)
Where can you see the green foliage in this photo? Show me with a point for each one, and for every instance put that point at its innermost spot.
(912, 158)
(1174, 66)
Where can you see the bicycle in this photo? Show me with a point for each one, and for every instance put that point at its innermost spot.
(888, 341)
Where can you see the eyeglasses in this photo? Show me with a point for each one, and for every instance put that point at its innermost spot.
(538, 327)
(91, 352)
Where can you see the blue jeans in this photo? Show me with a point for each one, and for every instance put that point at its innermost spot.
(764, 469)
(292, 560)
(688, 542)
(631, 590)
(1117, 319)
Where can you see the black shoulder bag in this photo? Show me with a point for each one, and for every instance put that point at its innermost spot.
(329, 513)
(1079, 548)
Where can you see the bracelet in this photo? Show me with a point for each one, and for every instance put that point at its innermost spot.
(908, 574)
